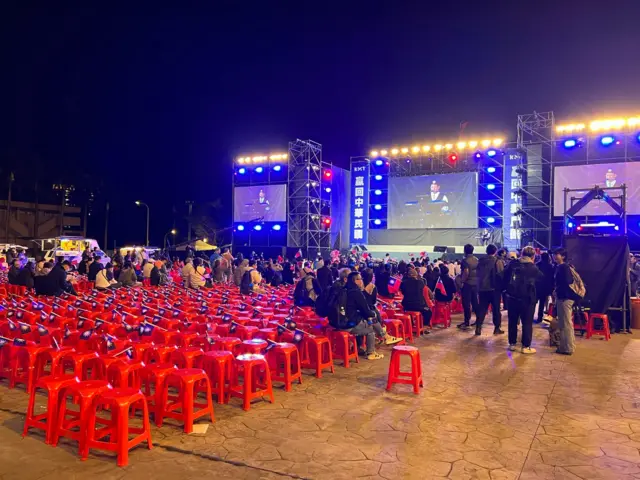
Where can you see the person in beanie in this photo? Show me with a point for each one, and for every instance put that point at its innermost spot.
(520, 278)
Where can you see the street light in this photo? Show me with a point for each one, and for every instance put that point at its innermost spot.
(138, 203)
(173, 232)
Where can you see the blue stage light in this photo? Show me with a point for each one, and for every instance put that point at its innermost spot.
(378, 177)
(616, 228)
(240, 228)
(378, 192)
(491, 220)
(277, 168)
(570, 143)
(638, 137)
(491, 186)
(491, 153)
(607, 140)
(478, 155)
(328, 189)
(242, 171)
(491, 203)
(377, 207)
(259, 170)
(491, 169)
(570, 224)
(257, 227)
(379, 163)
(377, 221)
(277, 227)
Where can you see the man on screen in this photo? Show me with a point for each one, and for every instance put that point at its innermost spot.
(262, 198)
(610, 178)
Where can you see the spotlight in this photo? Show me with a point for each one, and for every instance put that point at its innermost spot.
(259, 170)
(328, 174)
(383, 152)
(378, 192)
(491, 153)
(491, 170)
(638, 137)
(607, 140)
(570, 143)
(242, 171)
(378, 177)
(240, 228)
(277, 168)
(491, 220)
(616, 228)
(377, 221)
(491, 186)
(453, 157)
(257, 227)
(326, 222)
(374, 153)
(491, 203)
(478, 155)
(328, 189)
(570, 224)
(377, 207)
(277, 227)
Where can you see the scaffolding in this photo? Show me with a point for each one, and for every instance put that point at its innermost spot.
(307, 205)
(536, 132)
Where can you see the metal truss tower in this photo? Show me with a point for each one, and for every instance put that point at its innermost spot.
(536, 140)
(307, 206)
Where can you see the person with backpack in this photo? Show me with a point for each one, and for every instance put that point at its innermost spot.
(521, 277)
(490, 273)
(469, 285)
(567, 281)
(307, 291)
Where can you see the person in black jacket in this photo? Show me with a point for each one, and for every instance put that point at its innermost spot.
(520, 278)
(14, 273)
(383, 275)
(94, 267)
(287, 273)
(359, 315)
(324, 276)
(449, 286)
(490, 274)
(55, 282)
(412, 287)
(544, 286)
(26, 275)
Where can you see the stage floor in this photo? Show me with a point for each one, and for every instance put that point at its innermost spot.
(485, 413)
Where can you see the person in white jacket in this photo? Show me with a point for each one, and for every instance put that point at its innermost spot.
(105, 280)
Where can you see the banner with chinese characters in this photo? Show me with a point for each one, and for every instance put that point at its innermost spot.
(359, 201)
(511, 227)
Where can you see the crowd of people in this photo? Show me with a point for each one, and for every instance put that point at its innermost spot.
(349, 289)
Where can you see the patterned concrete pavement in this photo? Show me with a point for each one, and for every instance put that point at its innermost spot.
(485, 413)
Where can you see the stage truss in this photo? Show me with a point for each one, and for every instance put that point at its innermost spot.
(536, 141)
(307, 207)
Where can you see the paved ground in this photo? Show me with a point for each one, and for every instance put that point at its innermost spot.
(484, 414)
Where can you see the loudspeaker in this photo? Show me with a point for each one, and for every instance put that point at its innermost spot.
(451, 249)
(439, 249)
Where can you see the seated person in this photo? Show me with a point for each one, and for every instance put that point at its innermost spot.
(26, 275)
(371, 295)
(307, 291)
(55, 282)
(147, 266)
(14, 273)
(128, 277)
(412, 287)
(448, 283)
(196, 277)
(94, 267)
(382, 281)
(105, 280)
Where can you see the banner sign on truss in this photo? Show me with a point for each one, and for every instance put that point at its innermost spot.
(359, 205)
(512, 202)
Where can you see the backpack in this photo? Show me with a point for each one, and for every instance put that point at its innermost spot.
(487, 266)
(517, 286)
(332, 304)
(578, 285)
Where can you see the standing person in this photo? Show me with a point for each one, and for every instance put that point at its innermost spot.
(544, 286)
(502, 255)
(490, 273)
(469, 279)
(565, 298)
(94, 267)
(634, 274)
(25, 276)
(14, 273)
(412, 288)
(521, 276)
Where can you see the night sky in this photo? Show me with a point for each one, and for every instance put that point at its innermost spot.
(154, 104)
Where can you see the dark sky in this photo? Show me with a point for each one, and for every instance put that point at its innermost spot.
(154, 104)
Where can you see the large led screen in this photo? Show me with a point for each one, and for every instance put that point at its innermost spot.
(585, 177)
(267, 203)
(434, 201)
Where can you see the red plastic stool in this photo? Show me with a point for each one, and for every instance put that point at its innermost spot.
(284, 361)
(154, 375)
(267, 334)
(316, 354)
(254, 371)
(414, 377)
(46, 421)
(255, 345)
(67, 421)
(227, 344)
(417, 323)
(604, 330)
(217, 365)
(407, 324)
(118, 401)
(123, 373)
(395, 328)
(82, 365)
(441, 314)
(187, 357)
(23, 366)
(188, 382)
(158, 354)
(344, 346)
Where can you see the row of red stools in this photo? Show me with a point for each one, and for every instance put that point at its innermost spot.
(594, 323)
